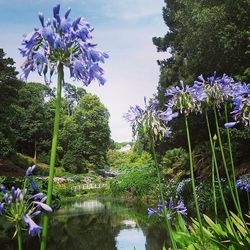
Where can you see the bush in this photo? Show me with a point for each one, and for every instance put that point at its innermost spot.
(120, 160)
(175, 162)
(5, 147)
(135, 180)
(22, 160)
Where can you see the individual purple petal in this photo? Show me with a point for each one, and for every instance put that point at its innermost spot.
(151, 211)
(43, 206)
(230, 124)
(33, 227)
(2, 208)
(37, 196)
(36, 213)
(171, 203)
(30, 170)
(180, 208)
(3, 189)
(34, 186)
(41, 18)
(67, 13)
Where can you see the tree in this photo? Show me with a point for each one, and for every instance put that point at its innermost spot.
(85, 137)
(31, 125)
(73, 94)
(204, 36)
(9, 86)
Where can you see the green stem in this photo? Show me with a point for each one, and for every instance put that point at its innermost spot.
(224, 160)
(212, 145)
(232, 163)
(19, 239)
(213, 189)
(192, 177)
(168, 225)
(53, 154)
(248, 201)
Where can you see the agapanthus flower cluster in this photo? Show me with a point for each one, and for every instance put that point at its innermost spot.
(243, 184)
(182, 99)
(61, 41)
(150, 118)
(19, 208)
(170, 208)
(241, 100)
(213, 91)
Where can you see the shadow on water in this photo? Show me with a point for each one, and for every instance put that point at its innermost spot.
(95, 224)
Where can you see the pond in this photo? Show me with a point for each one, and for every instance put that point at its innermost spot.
(100, 224)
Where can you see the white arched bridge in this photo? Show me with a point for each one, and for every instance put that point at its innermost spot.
(88, 186)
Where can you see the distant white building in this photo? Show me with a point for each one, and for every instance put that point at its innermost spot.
(125, 149)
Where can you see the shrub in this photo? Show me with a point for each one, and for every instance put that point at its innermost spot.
(5, 147)
(22, 160)
(175, 162)
(136, 180)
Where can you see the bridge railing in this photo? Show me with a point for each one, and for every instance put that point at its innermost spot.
(88, 186)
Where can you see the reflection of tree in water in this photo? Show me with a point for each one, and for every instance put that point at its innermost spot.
(85, 232)
(89, 230)
(155, 237)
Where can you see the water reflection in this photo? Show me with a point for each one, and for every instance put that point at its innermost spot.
(97, 224)
(127, 239)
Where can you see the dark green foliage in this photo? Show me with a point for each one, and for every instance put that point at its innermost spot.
(85, 136)
(204, 36)
(73, 95)
(5, 146)
(175, 163)
(135, 180)
(120, 161)
(32, 127)
(22, 161)
(9, 86)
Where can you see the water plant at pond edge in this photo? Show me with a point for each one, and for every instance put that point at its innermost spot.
(58, 43)
(19, 208)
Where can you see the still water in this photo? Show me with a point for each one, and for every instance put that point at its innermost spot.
(97, 224)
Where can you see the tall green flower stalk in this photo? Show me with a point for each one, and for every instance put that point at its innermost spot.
(56, 44)
(168, 224)
(53, 154)
(232, 163)
(225, 163)
(193, 178)
(212, 145)
(213, 188)
(19, 238)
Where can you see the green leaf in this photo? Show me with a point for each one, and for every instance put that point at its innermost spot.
(216, 227)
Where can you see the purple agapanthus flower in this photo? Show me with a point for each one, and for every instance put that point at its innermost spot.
(241, 100)
(169, 208)
(31, 206)
(243, 184)
(30, 170)
(2, 208)
(180, 208)
(150, 118)
(65, 42)
(33, 227)
(43, 206)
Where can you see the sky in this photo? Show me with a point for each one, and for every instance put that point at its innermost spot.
(123, 28)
